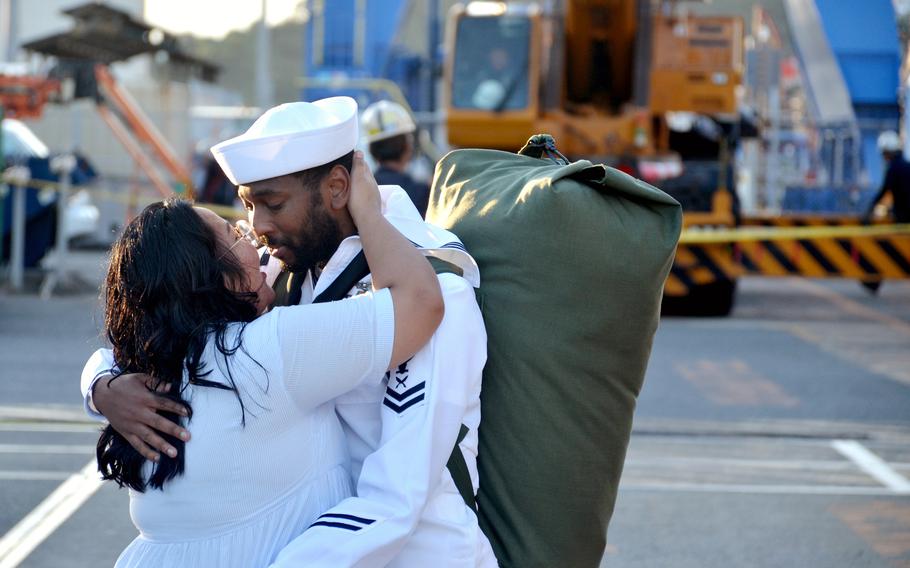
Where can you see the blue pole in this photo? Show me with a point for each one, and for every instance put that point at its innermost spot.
(2, 197)
(433, 23)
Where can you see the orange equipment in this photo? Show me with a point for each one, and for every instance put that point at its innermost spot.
(24, 96)
(599, 75)
(650, 88)
(642, 85)
(124, 117)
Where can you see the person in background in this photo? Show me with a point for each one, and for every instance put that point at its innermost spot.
(897, 178)
(389, 130)
(897, 182)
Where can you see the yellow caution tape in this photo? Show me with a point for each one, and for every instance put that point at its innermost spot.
(689, 236)
(752, 234)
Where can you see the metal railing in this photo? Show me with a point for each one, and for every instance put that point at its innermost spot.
(17, 180)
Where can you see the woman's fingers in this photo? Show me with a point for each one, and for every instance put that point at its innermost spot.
(364, 200)
(362, 169)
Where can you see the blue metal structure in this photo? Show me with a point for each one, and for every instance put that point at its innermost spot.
(355, 39)
(850, 57)
(864, 39)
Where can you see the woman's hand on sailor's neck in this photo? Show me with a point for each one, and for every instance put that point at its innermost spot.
(364, 202)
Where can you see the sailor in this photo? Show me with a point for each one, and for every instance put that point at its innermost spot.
(413, 440)
(389, 130)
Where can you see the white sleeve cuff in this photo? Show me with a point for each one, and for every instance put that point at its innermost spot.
(90, 403)
(99, 365)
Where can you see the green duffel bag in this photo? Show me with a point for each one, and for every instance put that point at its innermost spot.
(573, 259)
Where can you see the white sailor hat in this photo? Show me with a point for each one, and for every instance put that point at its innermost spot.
(290, 138)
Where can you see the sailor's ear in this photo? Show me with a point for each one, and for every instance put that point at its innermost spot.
(339, 187)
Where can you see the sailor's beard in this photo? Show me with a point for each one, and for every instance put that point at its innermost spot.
(316, 242)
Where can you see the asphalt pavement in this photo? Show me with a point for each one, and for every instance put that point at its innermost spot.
(777, 437)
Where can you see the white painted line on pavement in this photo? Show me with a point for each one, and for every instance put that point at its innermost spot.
(766, 489)
(33, 475)
(31, 531)
(714, 462)
(46, 449)
(872, 464)
(49, 427)
(44, 413)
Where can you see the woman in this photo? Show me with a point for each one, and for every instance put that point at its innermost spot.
(267, 456)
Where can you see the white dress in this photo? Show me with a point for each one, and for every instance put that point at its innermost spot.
(247, 491)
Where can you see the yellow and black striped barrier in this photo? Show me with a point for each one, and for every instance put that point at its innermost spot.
(815, 247)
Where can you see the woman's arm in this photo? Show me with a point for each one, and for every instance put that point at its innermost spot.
(329, 349)
(397, 265)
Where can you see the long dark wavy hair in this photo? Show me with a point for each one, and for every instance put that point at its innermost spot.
(166, 293)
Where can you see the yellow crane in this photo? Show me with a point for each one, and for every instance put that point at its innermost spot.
(652, 89)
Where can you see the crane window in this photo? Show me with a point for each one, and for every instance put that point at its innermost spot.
(490, 69)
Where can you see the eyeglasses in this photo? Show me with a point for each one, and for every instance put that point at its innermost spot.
(244, 232)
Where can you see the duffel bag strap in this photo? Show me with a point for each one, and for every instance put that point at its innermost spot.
(458, 468)
(354, 272)
(358, 269)
(287, 288)
(444, 266)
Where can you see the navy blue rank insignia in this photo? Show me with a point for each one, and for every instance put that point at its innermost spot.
(399, 395)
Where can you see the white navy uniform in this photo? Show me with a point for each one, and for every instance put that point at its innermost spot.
(407, 511)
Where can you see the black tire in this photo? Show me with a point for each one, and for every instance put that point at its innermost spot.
(715, 299)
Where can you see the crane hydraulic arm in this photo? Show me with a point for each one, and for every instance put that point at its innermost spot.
(124, 117)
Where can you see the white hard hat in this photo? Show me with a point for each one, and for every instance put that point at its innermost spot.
(488, 95)
(889, 141)
(385, 119)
